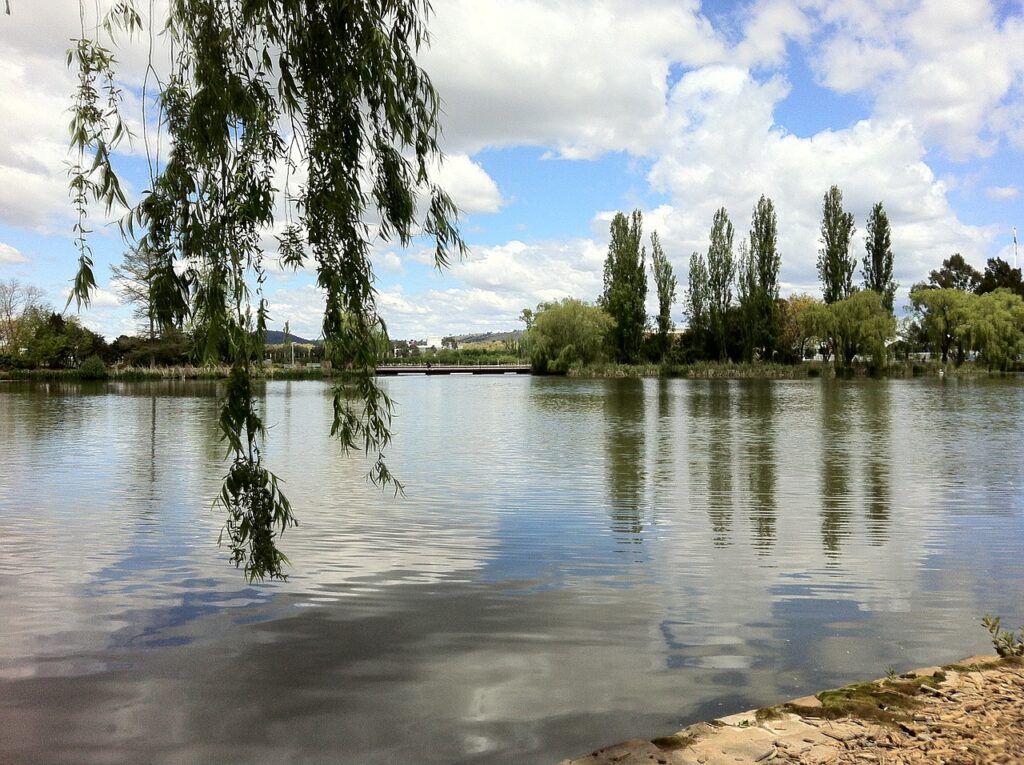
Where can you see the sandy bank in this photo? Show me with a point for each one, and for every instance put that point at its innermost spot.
(970, 712)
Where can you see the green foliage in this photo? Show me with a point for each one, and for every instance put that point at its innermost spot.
(697, 310)
(943, 316)
(878, 260)
(665, 285)
(566, 333)
(1006, 642)
(93, 368)
(994, 327)
(746, 287)
(257, 512)
(763, 310)
(331, 92)
(835, 262)
(861, 325)
(955, 274)
(625, 285)
(999, 275)
(799, 324)
(45, 339)
(721, 273)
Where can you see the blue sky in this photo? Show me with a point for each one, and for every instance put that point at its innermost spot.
(558, 114)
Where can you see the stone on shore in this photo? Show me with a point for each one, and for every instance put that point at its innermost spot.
(969, 712)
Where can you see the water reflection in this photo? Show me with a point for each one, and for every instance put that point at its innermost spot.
(720, 425)
(876, 408)
(625, 454)
(758, 410)
(835, 466)
(789, 542)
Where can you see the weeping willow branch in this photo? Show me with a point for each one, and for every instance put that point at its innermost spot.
(328, 90)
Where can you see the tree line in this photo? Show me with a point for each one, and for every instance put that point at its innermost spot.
(734, 311)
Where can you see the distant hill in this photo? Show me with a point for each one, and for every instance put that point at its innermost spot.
(276, 337)
(489, 337)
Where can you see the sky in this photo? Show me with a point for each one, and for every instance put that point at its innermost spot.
(559, 113)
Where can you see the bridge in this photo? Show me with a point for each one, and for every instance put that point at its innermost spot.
(454, 369)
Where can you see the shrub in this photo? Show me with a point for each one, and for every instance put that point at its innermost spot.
(93, 368)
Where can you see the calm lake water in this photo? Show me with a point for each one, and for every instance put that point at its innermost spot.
(574, 563)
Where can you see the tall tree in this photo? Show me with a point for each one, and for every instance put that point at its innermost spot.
(625, 285)
(332, 92)
(999, 275)
(133, 280)
(16, 299)
(697, 313)
(878, 260)
(721, 275)
(765, 261)
(665, 284)
(747, 296)
(955, 274)
(835, 261)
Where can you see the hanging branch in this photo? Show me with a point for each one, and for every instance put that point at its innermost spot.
(326, 87)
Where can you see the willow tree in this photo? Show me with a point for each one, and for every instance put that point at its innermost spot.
(327, 94)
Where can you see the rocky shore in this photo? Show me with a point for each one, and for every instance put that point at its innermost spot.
(969, 712)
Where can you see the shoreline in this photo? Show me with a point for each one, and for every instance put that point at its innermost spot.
(697, 371)
(968, 712)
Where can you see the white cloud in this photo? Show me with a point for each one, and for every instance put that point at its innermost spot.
(947, 67)
(718, 160)
(469, 185)
(302, 307)
(580, 76)
(770, 25)
(9, 254)
(105, 297)
(1002, 192)
(388, 262)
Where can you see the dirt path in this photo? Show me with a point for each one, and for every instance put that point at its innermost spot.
(971, 712)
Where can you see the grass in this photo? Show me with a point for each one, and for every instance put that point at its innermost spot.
(890, 701)
(670, 743)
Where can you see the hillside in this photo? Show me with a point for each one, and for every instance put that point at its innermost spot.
(276, 337)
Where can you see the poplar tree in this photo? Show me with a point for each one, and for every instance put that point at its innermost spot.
(665, 284)
(697, 313)
(835, 262)
(721, 274)
(878, 260)
(625, 285)
(749, 304)
(765, 262)
(331, 93)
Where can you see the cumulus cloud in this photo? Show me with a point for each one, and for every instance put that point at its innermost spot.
(9, 254)
(469, 185)
(581, 77)
(946, 66)
(719, 160)
(695, 96)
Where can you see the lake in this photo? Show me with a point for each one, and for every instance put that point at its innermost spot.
(574, 562)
